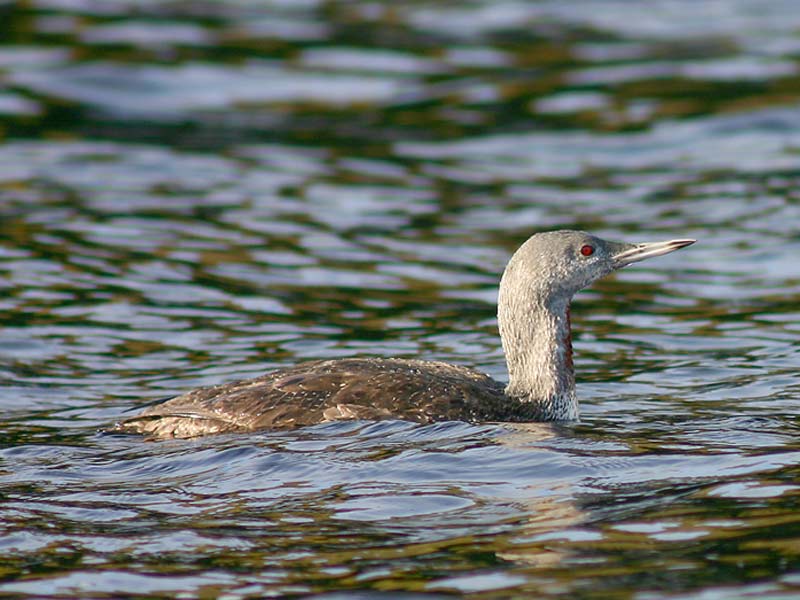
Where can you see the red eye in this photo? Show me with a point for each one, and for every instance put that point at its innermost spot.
(587, 250)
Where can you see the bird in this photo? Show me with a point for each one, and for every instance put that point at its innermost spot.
(533, 315)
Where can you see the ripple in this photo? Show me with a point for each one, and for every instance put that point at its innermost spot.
(176, 92)
(193, 193)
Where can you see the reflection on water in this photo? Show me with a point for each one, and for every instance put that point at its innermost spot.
(196, 192)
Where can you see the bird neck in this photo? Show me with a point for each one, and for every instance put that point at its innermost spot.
(537, 341)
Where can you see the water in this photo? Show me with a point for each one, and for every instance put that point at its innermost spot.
(196, 192)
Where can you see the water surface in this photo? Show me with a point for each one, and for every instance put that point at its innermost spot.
(194, 193)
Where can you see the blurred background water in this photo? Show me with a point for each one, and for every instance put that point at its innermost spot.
(193, 192)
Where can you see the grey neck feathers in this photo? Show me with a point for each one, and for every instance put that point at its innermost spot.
(536, 334)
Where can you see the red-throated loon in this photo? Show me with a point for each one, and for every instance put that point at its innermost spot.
(533, 315)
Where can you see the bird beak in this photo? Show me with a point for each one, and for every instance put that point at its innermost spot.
(632, 253)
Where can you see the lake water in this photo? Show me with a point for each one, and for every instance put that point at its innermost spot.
(192, 193)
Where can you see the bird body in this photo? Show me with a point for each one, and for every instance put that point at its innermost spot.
(534, 321)
(330, 390)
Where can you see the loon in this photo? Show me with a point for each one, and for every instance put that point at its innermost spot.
(534, 320)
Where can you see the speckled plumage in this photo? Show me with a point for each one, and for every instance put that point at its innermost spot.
(330, 390)
(533, 317)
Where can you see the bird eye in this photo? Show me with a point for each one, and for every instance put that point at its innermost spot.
(587, 250)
